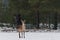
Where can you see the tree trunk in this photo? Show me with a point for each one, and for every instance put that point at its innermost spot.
(55, 21)
(37, 19)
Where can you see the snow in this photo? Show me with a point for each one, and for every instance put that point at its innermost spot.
(30, 36)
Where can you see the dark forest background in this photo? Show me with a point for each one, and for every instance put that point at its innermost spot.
(33, 11)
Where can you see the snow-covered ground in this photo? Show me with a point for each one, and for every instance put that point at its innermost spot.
(30, 36)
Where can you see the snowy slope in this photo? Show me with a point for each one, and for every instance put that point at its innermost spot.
(30, 36)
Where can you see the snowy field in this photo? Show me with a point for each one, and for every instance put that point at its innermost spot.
(30, 36)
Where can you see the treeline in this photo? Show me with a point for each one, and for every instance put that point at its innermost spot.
(47, 11)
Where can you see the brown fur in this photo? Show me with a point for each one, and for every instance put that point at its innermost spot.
(21, 28)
